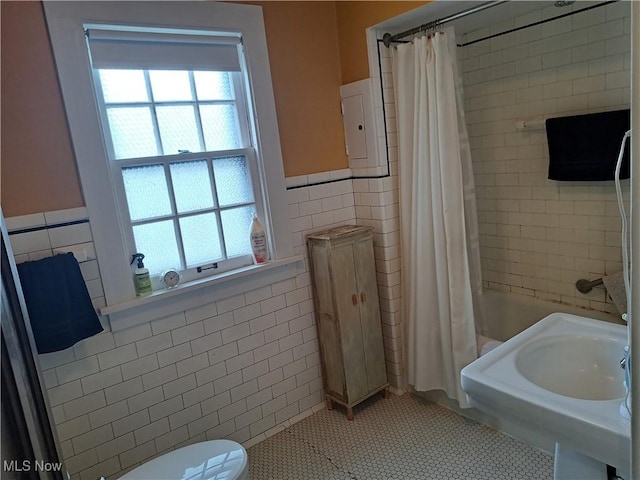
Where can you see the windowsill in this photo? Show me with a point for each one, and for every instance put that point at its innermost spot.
(193, 294)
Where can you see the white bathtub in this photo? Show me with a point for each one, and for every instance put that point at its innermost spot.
(507, 314)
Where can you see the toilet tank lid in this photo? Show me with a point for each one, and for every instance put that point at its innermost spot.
(215, 459)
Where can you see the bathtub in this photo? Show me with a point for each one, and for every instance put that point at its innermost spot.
(506, 315)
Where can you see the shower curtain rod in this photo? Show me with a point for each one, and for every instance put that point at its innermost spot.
(388, 39)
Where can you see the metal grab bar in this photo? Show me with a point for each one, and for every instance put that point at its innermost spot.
(584, 286)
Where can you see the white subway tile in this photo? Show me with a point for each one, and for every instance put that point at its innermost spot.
(92, 438)
(117, 356)
(209, 374)
(24, 243)
(151, 431)
(198, 394)
(138, 454)
(22, 222)
(166, 408)
(215, 403)
(73, 428)
(203, 424)
(108, 414)
(206, 343)
(76, 370)
(70, 235)
(101, 380)
(185, 416)
(217, 323)
(179, 386)
(169, 323)
(227, 382)
(154, 344)
(133, 334)
(139, 367)
(159, 377)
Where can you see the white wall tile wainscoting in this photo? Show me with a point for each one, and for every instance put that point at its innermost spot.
(236, 368)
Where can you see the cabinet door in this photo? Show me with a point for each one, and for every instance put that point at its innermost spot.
(328, 329)
(370, 313)
(348, 307)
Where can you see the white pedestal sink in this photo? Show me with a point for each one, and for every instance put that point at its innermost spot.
(562, 377)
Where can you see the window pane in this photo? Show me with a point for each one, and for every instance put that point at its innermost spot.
(200, 239)
(147, 192)
(178, 129)
(170, 85)
(191, 185)
(232, 180)
(132, 132)
(157, 241)
(213, 86)
(123, 86)
(236, 225)
(220, 127)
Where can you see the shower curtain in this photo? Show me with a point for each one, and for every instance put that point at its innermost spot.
(441, 279)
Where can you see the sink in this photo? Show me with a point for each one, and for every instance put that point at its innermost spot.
(561, 379)
(577, 366)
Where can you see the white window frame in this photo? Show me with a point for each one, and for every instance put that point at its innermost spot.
(66, 21)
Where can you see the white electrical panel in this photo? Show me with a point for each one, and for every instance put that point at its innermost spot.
(359, 123)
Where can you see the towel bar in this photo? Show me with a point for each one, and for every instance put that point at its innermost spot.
(584, 286)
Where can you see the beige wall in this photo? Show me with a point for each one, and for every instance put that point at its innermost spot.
(314, 47)
(353, 20)
(302, 38)
(38, 168)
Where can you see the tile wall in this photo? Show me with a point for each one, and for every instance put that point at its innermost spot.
(242, 368)
(538, 236)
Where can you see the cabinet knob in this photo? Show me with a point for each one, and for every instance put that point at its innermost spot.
(363, 297)
(354, 299)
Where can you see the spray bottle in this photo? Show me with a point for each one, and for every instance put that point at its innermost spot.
(259, 246)
(141, 277)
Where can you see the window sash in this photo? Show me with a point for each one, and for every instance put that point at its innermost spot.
(240, 103)
(188, 273)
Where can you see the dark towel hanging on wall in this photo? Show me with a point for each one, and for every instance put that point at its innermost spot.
(59, 306)
(586, 147)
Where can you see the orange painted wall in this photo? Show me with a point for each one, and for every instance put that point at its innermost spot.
(38, 167)
(302, 38)
(314, 47)
(353, 20)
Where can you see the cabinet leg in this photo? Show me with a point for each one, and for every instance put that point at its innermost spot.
(349, 413)
(385, 393)
(329, 404)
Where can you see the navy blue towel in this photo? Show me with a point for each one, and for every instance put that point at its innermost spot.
(585, 147)
(59, 305)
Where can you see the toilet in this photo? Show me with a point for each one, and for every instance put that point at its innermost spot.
(212, 460)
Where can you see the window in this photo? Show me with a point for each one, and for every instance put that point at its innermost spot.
(173, 124)
(177, 134)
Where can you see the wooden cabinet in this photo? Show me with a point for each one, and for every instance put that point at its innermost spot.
(348, 315)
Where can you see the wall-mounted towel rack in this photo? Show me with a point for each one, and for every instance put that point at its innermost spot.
(584, 286)
(537, 124)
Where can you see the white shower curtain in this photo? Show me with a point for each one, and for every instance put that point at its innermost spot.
(440, 251)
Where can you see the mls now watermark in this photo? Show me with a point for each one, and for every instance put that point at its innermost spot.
(31, 466)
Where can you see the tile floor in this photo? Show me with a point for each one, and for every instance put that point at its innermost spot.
(396, 438)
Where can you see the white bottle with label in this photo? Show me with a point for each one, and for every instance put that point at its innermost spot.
(259, 246)
(141, 277)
